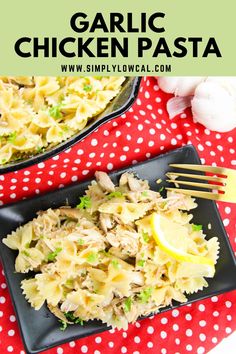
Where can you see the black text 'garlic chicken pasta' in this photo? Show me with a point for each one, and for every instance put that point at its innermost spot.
(123, 252)
(40, 112)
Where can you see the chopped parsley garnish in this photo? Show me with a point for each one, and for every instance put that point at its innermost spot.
(161, 189)
(27, 245)
(39, 149)
(51, 256)
(115, 264)
(55, 111)
(70, 317)
(145, 236)
(12, 137)
(63, 325)
(127, 304)
(80, 241)
(144, 194)
(116, 194)
(85, 202)
(26, 253)
(145, 295)
(196, 227)
(3, 160)
(69, 282)
(141, 262)
(87, 88)
(92, 257)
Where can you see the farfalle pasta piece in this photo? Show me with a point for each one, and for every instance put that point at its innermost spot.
(32, 294)
(126, 212)
(50, 286)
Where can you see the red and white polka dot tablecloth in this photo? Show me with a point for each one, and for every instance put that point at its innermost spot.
(143, 132)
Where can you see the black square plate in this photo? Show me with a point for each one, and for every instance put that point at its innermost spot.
(40, 329)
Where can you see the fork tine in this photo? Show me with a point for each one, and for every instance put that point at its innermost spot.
(203, 177)
(202, 168)
(197, 194)
(197, 184)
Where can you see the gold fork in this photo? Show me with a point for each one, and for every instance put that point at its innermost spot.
(224, 190)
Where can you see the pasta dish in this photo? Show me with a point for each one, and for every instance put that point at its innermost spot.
(100, 259)
(37, 113)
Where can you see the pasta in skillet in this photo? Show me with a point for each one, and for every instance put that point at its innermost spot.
(100, 259)
(40, 112)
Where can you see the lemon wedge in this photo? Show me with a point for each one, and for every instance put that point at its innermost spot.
(170, 238)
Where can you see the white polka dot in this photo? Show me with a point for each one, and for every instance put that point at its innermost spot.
(152, 131)
(41, 165)
(202, 337)
(94, 142)
(162, 137)
(63, 175)
(137, 324)
(164, 320)
(10, 348)
(201, 307)
(149, 344)
(111, 344)
(140, 140)
(106, 133)
(137, 339)
(177, 341)
(98, 340)
(12, 318)
(92, 155)
(85, 172)
(72, 344)
(202, 323)
(2, 300)
(226, 222)
(175, 313)
(1, 313)
(140, 127)
(227, 210)
(97, 352)
(215, 313)
(109, 166)
(200, 350)
(189, 332)
(214, 340)
(229, 317)
(163, 351)
(3, 285)
(214, 299)
(228, 304)
(59, 350)
(126, 148)
(188, 317)
(11, 332)
(173, 141)
(175, 327)
(84, 349)
(128, 137)
(228, 330)
(37, 180)
(150, 330)
(163, 334)
(12, 195)
(80, 152)
(216, 327)
(123, 158)
(189, 347)
(200, 147)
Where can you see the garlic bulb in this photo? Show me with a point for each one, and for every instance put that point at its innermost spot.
(180, 86)
(214, 104)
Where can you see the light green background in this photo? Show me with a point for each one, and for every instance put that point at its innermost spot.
(185, 18)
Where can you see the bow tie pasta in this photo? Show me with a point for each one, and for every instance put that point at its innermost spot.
(100, 259)
(37, 113)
